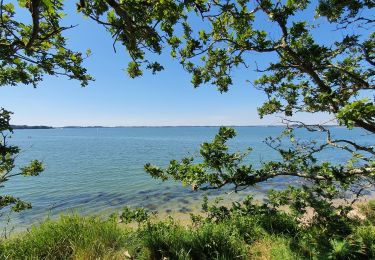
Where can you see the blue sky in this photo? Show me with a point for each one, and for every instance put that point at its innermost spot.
(114, 99)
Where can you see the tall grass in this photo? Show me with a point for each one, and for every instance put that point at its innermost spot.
(273, 247)
(172, 241)
(240, 236)
(69, 237)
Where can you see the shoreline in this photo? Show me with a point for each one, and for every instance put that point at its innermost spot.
(44, 127)
(181, 213)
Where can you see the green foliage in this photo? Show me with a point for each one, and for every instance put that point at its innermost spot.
(306, 75)
(33, 169)
(368, 210)
(140, 26)
(249, 231)
(67, 238)
(134, 70)
(342, 11)
(328, 216)
(28, 51)
(219, 167)
(343, 250)
(249, 217)
(366, 236)
(129, 215)
(361, 109)
(273, 247)
(210, 241)
(8, 155)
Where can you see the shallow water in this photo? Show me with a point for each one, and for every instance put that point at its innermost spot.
(99, 170)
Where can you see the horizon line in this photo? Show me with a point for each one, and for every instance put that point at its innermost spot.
(145, 126)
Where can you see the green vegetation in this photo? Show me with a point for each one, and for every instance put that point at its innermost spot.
(8, 155)
(308, 74)
(69, 236)
(248, 231)
(368, 211)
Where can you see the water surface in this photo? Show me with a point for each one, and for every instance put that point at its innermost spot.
(99, 170)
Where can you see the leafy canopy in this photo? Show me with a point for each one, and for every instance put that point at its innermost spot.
(306, 74)
(213, 38)
(30, 51)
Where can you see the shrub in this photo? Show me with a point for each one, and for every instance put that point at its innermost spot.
(209, 241)
(366, 235)
(345, 249)
(254, 232)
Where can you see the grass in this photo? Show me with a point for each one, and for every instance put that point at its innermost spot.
(272, 247)
(69, 237)
(251, 236)
(172, 241)
(368, 210)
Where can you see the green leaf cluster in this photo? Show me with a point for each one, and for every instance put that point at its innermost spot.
(8, 155)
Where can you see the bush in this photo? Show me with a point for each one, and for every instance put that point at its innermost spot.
(209, 241)
(248, 228)
(366, 235)
(255, 233)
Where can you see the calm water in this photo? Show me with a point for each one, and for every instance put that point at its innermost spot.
(99, 170)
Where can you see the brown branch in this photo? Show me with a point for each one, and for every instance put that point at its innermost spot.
(35, 16)
(308, 68)
(330, 141)
(357, 78)
(367, 56)
(56, 31)
(356, 146)
(120, 12)
(257, 178)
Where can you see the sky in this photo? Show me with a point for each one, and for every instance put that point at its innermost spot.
(114, 99)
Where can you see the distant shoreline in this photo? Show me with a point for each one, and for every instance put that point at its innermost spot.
(21, 127)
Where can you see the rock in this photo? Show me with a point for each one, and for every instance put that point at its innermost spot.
(127, 255)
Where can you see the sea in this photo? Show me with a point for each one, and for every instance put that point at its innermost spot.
(98, 171)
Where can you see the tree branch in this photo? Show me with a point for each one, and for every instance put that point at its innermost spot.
(35, 16)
